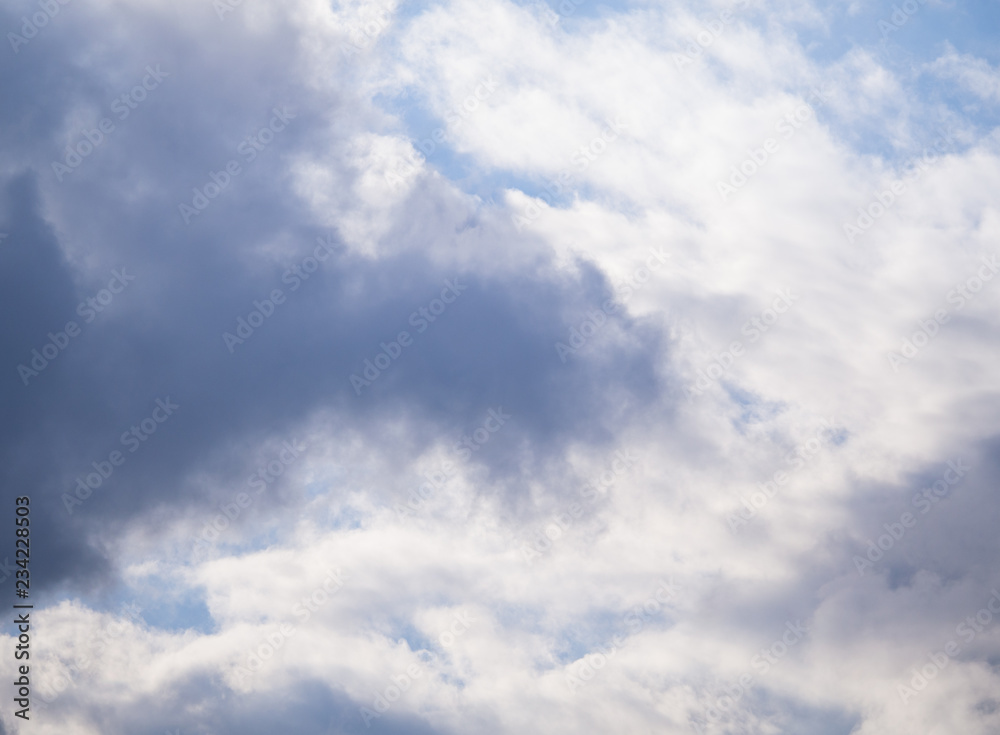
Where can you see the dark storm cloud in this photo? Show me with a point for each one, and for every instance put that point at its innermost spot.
(160, 338)
(943, 520)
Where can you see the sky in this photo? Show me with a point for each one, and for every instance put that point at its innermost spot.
(500, 367)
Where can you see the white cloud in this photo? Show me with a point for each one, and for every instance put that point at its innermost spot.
(654, 186)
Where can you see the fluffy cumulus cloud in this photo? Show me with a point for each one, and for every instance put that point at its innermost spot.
(490, 366)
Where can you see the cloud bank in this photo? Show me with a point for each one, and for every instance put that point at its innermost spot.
(499, 367)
